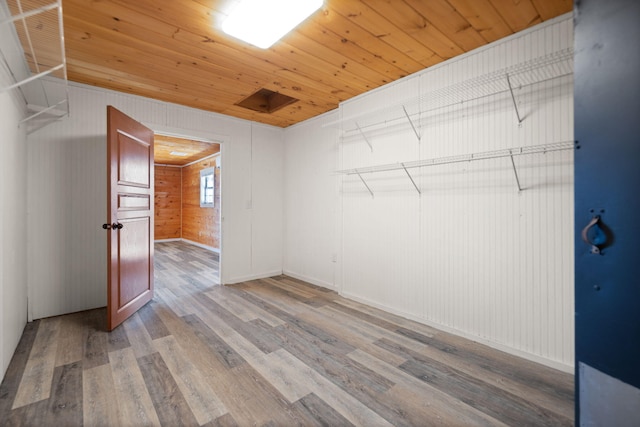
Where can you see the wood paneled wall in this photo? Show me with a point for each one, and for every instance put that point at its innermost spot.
(201, 225)
(168, 200)
(177, 205)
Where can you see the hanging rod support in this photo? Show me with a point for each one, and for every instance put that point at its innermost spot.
(364, 182)
(365, 138)
(411, 123)
(411, 178)
(515, 172)
(513, 98)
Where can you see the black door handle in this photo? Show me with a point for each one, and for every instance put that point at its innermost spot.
(114, 226)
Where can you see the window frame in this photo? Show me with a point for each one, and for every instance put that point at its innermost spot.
(204, 173)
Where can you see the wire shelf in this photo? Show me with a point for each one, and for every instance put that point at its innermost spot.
(548, 67)
(507, 152)
(39, 28)
(495, 154)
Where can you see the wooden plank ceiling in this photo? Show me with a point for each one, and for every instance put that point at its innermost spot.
(169, 150)
(175, 50)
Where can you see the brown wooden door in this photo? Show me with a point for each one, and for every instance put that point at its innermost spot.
(130, 214)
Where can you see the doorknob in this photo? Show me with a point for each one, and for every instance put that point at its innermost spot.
(114, 226)
(598, 238)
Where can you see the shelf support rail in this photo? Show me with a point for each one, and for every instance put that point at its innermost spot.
(365, 138)
(513, 98)
(411, 178)
(411, 123)
(364, 182)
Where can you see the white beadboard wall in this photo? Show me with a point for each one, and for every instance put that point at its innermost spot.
(13, 213)
(311, 201)
(471, 255)
(13, 205)
(67, 195)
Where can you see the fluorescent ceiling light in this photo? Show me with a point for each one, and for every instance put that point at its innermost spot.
(179, 153)
(262, 23)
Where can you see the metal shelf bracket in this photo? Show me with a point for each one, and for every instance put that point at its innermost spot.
(513, 98)
(411, 178)
(365, 183)
(365, 138)
(411, 123)
(515, 172)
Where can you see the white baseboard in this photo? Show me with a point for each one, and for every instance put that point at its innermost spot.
(311, 280)
(200, 245)
(498, 346)
(191, 242)
(238, 279)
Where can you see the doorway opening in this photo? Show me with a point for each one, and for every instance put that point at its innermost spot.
(187, 213)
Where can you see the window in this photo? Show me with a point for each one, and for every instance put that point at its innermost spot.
(207, 192)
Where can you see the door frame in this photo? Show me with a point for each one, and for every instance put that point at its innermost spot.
(210, 138)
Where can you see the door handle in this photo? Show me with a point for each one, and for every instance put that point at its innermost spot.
(598, 239)
(114, 226)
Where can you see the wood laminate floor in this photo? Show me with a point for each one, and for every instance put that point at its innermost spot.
(272, 352)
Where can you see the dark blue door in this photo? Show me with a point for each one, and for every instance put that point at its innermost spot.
(607, 211)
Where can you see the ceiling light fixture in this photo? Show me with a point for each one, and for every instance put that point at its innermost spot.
(179, 153)
(262, 23)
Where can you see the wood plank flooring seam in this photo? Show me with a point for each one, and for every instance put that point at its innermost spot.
(266, 352)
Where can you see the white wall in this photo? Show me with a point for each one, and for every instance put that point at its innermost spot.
(13, 206)
(311, 202)
(471, 255)
(67, 196)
